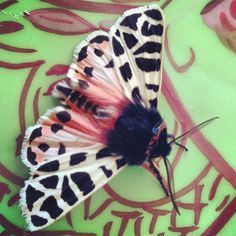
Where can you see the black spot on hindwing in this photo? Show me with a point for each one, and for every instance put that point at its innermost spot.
(126, 72)
(62, 149)
(56, 127)
(50, 205)
(43, 147)
(32, 195)
(35, 134)
(110, 64)
(31, 156)
(117, 48)
(81, 101)
(131, 21)
(38, 220)
(63, 116)
(67, 193)
(50, 182)
(64, 90)
(130, 40)
(147, 64)
(75, 159)
(99, 39)
(82, 54)
(74, 96)
(98, 52)
(50, 166)
(83, 182)
(88, 71)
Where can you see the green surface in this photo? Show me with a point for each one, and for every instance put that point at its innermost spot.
(206, 89)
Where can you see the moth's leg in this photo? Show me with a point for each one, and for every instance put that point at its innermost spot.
(158, 176)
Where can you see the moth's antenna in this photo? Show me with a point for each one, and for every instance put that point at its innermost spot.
(166, 162)
(207, 122)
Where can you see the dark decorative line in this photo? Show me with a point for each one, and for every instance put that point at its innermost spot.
(179, 69)
(86, 207)
(14, 230)
(15, 198)
(165, 4)
(103, 206)
(35, 104)
(223, 203)
(107, 228)
(91, 6)
(214, 157)
(16, 49)
(137, 226)
(7, 174)
(69, 220)
(161, 201)
(221, 220)
(214, 187)
(6, 4)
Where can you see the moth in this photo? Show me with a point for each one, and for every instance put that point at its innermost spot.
(107, 119)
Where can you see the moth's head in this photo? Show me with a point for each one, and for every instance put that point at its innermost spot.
(159, 146)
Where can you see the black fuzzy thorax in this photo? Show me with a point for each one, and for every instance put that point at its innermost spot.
(132, 133)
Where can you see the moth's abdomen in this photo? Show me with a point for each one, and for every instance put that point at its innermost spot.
(132, 133)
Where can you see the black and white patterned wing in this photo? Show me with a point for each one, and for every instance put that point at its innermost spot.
(63, 182)
(137, 40)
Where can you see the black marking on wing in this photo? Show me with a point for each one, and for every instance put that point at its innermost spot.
(63, 116)
(154, 14)
(126, 72)
(74, 96)
(136, 95)
(107, 172)
(117, 48)
(82, 54)
(83, 182)
(50, 166)
(67, 193)
(35, 134)
(117, 33)
(99, 39)
(88, 71)
(153, 87)
(147, 64)
(131, 21)
(38, 220)
(130, 40)
(81, 101)
(153, 103)
(83, 84)
(87, 106)
(31, 156)
(43, 147)
(50, 182)
(56, 127)
(120, 162)
(64, 90)
(105, 152)
(77, 158)
(50, 205)
(110, 64)
(149, 30)
(62, 149)
(32, 195)
(149, 47)
(98, 52)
